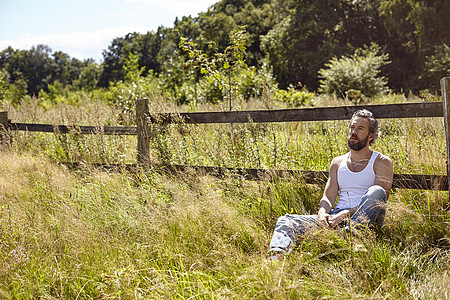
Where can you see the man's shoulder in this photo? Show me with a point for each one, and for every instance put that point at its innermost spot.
(383, 160)
(338, 159)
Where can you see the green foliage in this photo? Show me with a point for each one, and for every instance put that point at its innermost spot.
(359, 71)
(3, 84)
(312, 33)
(35, 69)
(293, 97)
(292, 39)
(416, 28)
(437, 66)
(132, 71)
(55, 93)
(225, 75)
(88, 78)
(221, 68)
(250, 82)
(151, 49)
(11, 92)
(274, 45)
(176, 82)
(216, 28)
(124, 94)
(423, 23)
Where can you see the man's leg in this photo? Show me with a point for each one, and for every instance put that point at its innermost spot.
(288, 228)
(372, 209)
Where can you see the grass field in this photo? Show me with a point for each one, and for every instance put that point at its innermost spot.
(88, 233)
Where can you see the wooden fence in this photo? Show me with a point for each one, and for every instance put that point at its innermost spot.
(144, 119)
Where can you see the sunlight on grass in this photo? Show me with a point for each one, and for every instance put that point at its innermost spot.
(89, 233)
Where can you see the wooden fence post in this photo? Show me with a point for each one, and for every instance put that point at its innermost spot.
(445, 89)
(143, 133)
(4, 130)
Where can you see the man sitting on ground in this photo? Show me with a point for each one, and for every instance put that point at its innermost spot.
(361, 180)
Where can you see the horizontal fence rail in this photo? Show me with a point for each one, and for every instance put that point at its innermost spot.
(401, 181)
(381, 111)
(144, 119)
(108, 130)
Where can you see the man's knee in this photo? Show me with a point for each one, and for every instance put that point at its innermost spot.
(284, 222)
(283, 219)
(377, 192)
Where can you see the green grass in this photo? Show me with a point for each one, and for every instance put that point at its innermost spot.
(97, 234)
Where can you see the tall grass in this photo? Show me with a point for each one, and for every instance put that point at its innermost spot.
(96, 234)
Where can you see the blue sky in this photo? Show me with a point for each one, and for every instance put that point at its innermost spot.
(84, 28)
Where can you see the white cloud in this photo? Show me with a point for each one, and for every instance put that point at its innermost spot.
(81, 45)
(146, 14)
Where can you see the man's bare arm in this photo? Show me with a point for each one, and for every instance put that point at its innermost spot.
(384, 173)
(329, 194)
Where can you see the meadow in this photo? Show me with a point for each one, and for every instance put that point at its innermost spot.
(93, 233)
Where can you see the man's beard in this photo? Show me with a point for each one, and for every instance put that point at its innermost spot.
(359, 145)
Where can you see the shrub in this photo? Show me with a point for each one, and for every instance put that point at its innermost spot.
(293, 97)
(356, 72)
(123, 94)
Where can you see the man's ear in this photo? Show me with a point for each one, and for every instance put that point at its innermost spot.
(370, 137)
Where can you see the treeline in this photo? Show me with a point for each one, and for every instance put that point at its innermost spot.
(291, 39)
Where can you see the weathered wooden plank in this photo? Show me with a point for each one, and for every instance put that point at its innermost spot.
(4, 120)
(143, 132)
(106, 130)
(4, 130)
(313, 177)
(403, 181)
(421, 182)
(402, 110)
(445, 90)
(380, 111)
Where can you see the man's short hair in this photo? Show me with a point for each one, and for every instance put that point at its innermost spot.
(373, 123)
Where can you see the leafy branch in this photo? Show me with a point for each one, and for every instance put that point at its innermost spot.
(221, 64)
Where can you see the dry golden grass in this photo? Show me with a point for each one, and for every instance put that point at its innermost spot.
(91, 233)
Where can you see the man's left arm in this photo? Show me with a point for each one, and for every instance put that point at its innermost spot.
(384, 173)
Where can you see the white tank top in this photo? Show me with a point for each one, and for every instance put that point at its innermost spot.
(353, 185)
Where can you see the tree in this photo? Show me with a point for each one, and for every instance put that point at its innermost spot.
(220, 70)
(146, 47)
(258, 20)
(215, 30)
(437, 66)
(114, 59)
(66, 69)
(187, 27)
(89, 76)
(34, 67)
(313, 33)
(416, 28)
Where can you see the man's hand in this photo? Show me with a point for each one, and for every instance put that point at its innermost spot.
(336, 219)
(323, 219)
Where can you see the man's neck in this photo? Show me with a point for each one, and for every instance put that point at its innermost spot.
(364, 153)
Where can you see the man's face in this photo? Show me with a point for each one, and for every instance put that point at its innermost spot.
(359, 135)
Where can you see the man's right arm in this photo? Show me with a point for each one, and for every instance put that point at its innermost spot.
(329, 194)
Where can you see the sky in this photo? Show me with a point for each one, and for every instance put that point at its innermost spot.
(84, 28)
